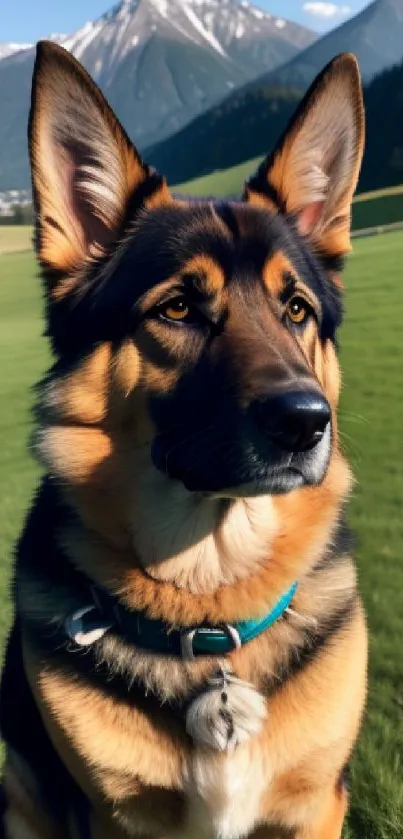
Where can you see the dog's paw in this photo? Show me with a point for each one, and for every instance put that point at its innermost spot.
(227, 714)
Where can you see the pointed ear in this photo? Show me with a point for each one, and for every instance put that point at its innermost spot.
(85, 170)
(312, 174)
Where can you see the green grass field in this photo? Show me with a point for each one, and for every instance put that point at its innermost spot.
(372, 424)
(369, 210)
(15, 238)
(225, 182)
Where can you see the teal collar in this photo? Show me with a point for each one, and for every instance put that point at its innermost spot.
(88, 624)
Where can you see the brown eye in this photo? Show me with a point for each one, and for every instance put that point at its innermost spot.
(176, 309)
(298, 310)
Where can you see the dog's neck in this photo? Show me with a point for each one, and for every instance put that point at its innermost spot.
(199, 543)
(195, 542)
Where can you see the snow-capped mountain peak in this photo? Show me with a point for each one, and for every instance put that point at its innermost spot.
(212, 23)
(180, 55)
(10, 49)
(162, 62)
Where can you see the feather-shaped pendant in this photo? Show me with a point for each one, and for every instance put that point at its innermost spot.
(226, 714)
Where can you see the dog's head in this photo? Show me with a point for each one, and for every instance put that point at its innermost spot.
(195, 340)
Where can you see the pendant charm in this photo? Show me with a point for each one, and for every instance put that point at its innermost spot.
(226, 714)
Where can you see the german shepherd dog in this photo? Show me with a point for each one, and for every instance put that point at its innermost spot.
(188, 658)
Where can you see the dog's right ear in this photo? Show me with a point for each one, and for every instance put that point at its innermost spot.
(312, 174)
(85, 171)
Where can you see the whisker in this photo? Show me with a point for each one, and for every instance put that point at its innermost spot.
(350, 416)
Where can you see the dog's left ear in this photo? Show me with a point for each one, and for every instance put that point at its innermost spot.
(86, 173)
(313, 173)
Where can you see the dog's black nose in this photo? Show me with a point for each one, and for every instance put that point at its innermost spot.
(295, 420)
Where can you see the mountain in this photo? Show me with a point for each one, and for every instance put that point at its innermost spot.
(10, 49)
(160, 64)
(248, 121)
(375, 35)
(244, 126)
(383, 159)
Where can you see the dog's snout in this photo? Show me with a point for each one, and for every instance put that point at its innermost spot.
(295, 420)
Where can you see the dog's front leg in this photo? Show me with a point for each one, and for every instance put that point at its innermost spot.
(329, 824)
(23, 814)
(326, 824)
(329, 828)
(101, 827)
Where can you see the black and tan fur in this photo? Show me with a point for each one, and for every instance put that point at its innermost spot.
(161, 487)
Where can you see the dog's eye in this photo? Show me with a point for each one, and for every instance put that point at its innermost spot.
(177, 310)
(298, 310)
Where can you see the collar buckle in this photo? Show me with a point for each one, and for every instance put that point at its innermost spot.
(188, 637)
(85, 626)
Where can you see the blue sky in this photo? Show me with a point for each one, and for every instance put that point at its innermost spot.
(28, 20)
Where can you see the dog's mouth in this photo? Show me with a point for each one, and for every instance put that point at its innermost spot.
(208, 462)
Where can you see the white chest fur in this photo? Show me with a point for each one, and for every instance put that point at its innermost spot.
(224, 792)
(223, 779)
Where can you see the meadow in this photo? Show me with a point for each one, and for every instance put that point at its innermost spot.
(15, 238)
(370, 209)
(371, 425)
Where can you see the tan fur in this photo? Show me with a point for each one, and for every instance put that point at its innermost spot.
(161, 197)
(210, 272)
(258, 200)
(275, 270)
(309, 515)
(82, 396)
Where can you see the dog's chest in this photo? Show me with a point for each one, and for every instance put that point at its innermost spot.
(223, 792)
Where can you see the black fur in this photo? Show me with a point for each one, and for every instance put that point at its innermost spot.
(342, 544)
(23, 730)
(344, 782)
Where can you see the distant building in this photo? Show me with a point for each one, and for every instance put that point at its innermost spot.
(12, 198)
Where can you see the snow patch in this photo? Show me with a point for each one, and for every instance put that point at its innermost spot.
(10, 49)
(58, 37)
(209, 20)
(81, 40)
(162, 6)
(208, 36)
(280, 23)
(19, 46)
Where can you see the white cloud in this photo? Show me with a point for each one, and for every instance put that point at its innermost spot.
(326, 10)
